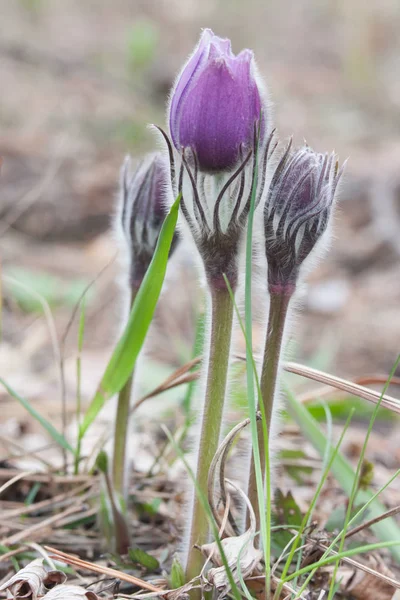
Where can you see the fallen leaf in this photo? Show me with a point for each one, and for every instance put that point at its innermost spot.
(32, 581)
(366, 586)
(235, 548)
(70, 592)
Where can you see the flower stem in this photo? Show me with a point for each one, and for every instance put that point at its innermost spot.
(121, 538)
(279, 304)
(121, 429)
(218, 362)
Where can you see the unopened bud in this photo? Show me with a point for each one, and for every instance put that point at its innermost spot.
(297, 211)
(216, 104)
(142, 212)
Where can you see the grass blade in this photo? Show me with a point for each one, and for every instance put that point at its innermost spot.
(339, 555)
(51, 430)
(386, 530)
(264, 501)
(125, 354)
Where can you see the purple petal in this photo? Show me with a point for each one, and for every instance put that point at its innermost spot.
(215, 104)
(199, 55)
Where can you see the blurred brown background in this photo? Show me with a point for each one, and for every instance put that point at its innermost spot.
(79, 82)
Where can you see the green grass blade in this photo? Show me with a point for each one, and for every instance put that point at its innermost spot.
(386, 530)
(81, 329)
(328, 459)
(206, 507)
(242, 582)
(333, 452)
(356, 481)
(125, 354)
(263, 500)
(51, 430)
(265, 524)
(346, 554)
(81, 333)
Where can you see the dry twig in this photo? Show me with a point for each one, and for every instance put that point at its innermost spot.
(74, 561)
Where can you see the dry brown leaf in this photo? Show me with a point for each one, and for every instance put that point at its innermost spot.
(32, 581)
(250, 558)
(70, 592)
(366, 586)
(235, 547)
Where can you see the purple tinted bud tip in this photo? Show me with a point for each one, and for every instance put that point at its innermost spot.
(297, 211)
(142, 212)
(216, 104)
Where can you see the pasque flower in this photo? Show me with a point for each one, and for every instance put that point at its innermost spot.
(142, 212)
(297, 211)
(218, 126)
(218, 120)
(296, 214)
(215, 104)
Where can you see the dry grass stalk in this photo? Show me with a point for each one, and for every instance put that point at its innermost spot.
(69, 559)
(355, 388)
(50, 478)
(38, 529)
(50, 503)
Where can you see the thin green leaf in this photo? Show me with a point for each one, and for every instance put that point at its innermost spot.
(81, 333)
(51, 430)
(15, 563)
(30, 499)
(125, 354)
(177, 577)
(386, 530)
(81, 330)
(347, 553)
(325, 469)
(265, 519)
(357, 478)
(333, 454)
(138, 556)
(265, 523)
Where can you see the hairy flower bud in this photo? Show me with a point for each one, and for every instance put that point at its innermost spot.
(142, 211)
(297, 211)
(218, 144)
(216, 104)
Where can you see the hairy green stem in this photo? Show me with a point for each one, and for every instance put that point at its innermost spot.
(218, 362)
(121, 531)
(279, 304)
(121, 428)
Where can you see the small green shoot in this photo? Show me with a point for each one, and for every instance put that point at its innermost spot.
(177, 576)
(140, 557)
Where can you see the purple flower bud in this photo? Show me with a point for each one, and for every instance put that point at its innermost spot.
(142, 211)
(216, 104)
(297, 212)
